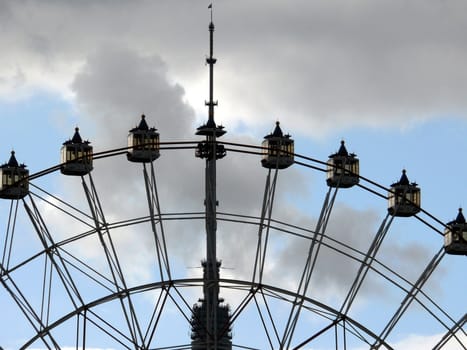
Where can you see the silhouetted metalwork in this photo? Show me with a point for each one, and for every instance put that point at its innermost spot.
(409, 298)
(143, 143)
(14, 177)
(210, 321)
(342, 169)
(210, 317)
(455, 235)
(404, 197)
(96, 301)
(76, 156)
(278, 150)
(66, 270)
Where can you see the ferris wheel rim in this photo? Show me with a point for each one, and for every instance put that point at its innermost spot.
(379, 267)
(192, 144)
(172, 146)
(197, 282)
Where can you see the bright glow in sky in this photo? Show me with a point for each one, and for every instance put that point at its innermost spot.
(388, 77)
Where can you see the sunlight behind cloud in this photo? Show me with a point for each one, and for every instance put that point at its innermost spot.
(321, 68)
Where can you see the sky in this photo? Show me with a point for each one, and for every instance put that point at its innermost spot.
(388, 77)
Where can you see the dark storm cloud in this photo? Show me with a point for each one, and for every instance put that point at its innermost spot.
(334, 272)
(318, 65)
(311, 64)
(314, 65)
(115, 86)
(340, 63)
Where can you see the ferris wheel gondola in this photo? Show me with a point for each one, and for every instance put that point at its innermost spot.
(93, 301)
(171, 286)
(143, 143)
(14, 179)
(76, 156)
(342, 169)
(455, 235)
(404, 197)
(278, 150)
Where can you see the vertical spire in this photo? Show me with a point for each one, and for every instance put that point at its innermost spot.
(211, 61)
(211, 318)
(210, 127)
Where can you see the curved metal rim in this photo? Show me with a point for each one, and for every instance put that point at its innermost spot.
(376, 189)
(198, 281)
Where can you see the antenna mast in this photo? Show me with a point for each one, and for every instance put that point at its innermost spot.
(211, 319)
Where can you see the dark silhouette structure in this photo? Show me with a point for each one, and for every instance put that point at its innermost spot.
(14, 179)
(143, 143)
(342, 169)
(455, 235)
(404, 197)
(278, 150)
(76, 156)
(210, 322)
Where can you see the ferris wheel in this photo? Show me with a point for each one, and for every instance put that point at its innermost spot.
(80, 277)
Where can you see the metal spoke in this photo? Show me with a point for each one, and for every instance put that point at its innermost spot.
(67, 208)
(411, 295)
(112, 259)
(317, 334)
(366, 264)
(263, 322)
(270, 317)
(28, 311)
(10, 233)
(52, 254)
(62, 269)
(107, 328)
(315, 245)
(157, 223)
(155, 317)
(452, 333)
(273, 291)
(264, 225)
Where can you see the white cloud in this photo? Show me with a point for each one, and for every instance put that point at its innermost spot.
(423, 342)
(320, 65)
(112, 89)
(315, 65)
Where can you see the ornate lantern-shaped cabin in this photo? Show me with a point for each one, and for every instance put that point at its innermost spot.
(455, 236)
(143, 143)
(404, 197)
(14, 177)
(76, 156)
(278, 150)
(342, 169)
